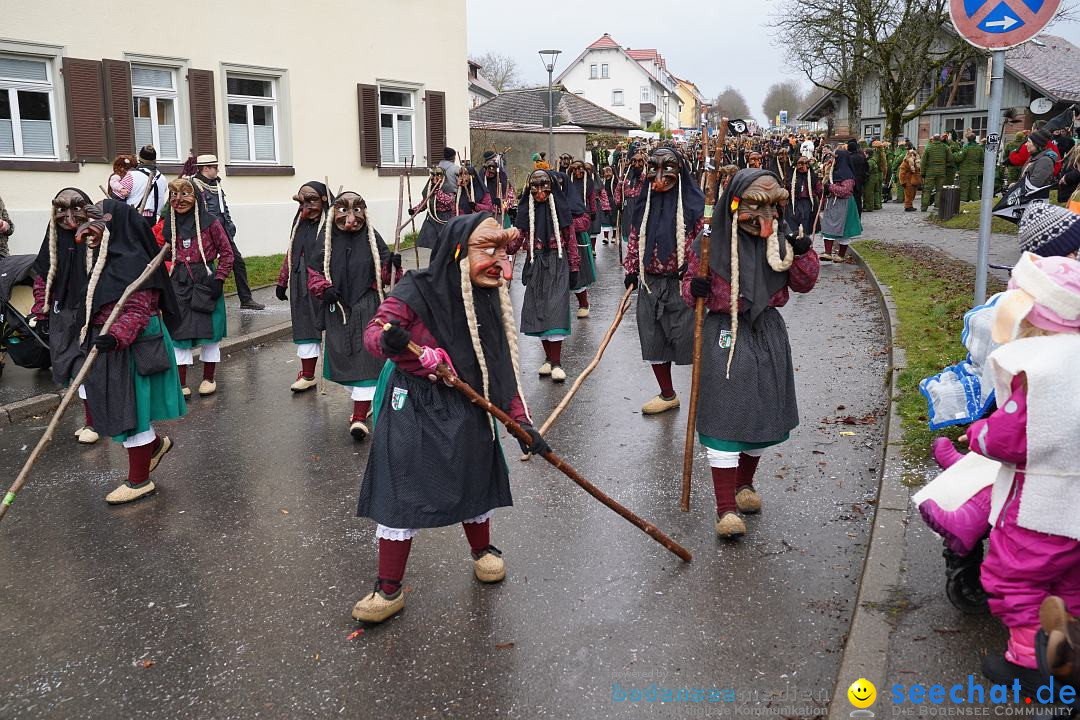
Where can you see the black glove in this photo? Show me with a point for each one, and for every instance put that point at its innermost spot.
(537, 444)
(395, 260)
(395, 340)
(412, 211)
(682, 269)
(280, 292)
(217, 287)
(800, 244)
(631, 280)
(105, 343)
(700, 287)
(512, 212)
(574, 275)
(331, 296)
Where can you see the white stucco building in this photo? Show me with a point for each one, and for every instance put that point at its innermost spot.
(281, 95)
(634, 84)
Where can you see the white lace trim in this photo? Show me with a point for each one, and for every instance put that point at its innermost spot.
(387, 533)
(480, 518)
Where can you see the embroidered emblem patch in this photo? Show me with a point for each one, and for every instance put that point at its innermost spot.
(725, 339)
(186, 242)
(397, 400)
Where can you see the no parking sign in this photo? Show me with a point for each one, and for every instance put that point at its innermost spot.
(1001, 24)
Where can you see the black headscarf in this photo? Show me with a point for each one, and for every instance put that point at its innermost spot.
(581, 189)
(802, 180)
(131, 247)
(544, 230)
(434, 294)
(308, 239)
(842, 166)
(479, 190)
(185, 223)
(497, 186)
(660, 232)
(69, 284)
(353, 271)
(562, 185)
(757, 281)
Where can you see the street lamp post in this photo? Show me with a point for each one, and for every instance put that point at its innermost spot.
(548, 57)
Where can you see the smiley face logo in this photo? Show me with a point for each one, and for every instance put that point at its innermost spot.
(862, 693)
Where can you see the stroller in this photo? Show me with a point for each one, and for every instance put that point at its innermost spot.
(27, 346)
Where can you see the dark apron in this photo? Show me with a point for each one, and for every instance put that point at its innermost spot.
(665, 322)
(433, 459)
(346, 357)
(189, 324)
(110, 390)
(757, 404)
(432, 229)
(546, 305)
(64, 348)
(305, 314)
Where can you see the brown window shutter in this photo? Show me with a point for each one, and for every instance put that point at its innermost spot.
(367, 98)
(436, 125)
(203, 112)
(85, 110)
(119, 113)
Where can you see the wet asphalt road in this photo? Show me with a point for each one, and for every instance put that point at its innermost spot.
(228, 593)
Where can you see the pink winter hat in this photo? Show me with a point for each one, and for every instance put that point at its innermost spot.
(1043, 291)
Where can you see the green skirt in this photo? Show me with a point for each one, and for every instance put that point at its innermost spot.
(734, 445)
(220, 328)
(159, 396)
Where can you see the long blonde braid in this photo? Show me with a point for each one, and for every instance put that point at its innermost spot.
(288, 250)
(510, 330)
(52, 264)
(376, 258)
(198, 234)
(734, 290)
(772, 251)
(642, 237)
(95, 276)
(474, 329)
(532, 225)
(680, 229)
(556, 227)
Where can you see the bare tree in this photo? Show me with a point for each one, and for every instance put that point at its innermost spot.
(783, 95)
(500, 70)
(731, 104)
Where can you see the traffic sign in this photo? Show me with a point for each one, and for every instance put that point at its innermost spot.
(1001, 24)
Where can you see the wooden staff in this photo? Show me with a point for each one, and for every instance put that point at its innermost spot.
(624, 305)
(447, 375)
(821, 204)
(73, 388)
(426, 200)
(711, 187)
(409, 167)
(400, 225)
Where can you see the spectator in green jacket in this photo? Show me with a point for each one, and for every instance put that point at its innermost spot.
(970, 169)
(896, 158)
(954, 149)
(935, 160)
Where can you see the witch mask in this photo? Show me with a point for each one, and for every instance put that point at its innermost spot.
(182, 196)
(69, 209)
(663, 170)
(754, 161)
(311, 203)
(577, 170)
(489, 264)
(349, 212)
(540, 186)
(491, 168)
(92, 230)
(759, 208)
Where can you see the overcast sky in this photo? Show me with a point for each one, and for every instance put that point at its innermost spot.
(730, 44)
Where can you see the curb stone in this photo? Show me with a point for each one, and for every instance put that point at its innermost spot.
(866, 650)
(47, 402)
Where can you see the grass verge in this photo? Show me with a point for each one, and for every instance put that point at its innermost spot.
(932, 292)
(968, 219)
(263, 269)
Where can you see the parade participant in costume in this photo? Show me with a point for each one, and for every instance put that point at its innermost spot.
(440, 205)
(753, 160)
(597, 200)
(935, 159)
(628, 191)
(435, 458)
(840, 222)
(970, 168)
(608, 213)
(305, 241)
(346, 277)
(804, 190)
(472, 193)
(910, 175)
(666, 222)
(545, 230)
(581, 194)
(564, 162)
(748, 382)
(860, 168)
(202, 259)
(499, 188)
(133, 383)
(878, 165)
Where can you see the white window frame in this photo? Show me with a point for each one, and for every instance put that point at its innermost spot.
(49, 88)
(250, 102)
(394, 111)
(594, 71)
(618, 98)
(155, 94)
(605, 71)
(979, 131)
(646, 94)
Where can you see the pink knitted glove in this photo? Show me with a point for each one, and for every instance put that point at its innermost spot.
(431, 357)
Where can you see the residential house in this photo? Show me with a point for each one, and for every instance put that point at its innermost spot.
(480, 88)
(692, 104)
(518, 119)
(1048, 67)
(634, 84)
(280, 102)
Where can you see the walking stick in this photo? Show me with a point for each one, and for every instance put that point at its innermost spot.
(447, 375)
(321, 386)
(624, 305)
(409, 166)
(400, 225)
(699, 320)
(73, 388)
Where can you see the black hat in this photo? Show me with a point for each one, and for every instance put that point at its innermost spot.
(1040, 138)
(449, 153)
(488, 155)
(147, 153)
